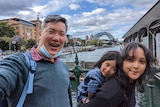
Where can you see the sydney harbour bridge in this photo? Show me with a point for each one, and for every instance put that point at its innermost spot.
(98, 35)
(108, 35)
(109, 38)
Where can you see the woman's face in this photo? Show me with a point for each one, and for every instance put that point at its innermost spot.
(135, 64)
(108, 68)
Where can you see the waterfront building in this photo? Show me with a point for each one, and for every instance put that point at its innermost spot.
(147, 31)
(25, 29)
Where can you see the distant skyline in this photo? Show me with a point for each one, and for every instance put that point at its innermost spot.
(85, 17)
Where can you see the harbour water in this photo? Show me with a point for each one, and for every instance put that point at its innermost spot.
(143, 99)
(89, 56)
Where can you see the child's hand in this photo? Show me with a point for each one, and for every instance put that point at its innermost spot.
(85, 100)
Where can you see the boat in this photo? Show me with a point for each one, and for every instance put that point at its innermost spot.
(90, 48)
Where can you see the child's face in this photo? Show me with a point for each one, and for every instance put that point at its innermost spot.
(108, 68)
(135, 64)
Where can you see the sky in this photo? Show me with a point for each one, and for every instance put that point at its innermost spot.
(84, 17)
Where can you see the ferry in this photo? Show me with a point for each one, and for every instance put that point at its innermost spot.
(90, 48)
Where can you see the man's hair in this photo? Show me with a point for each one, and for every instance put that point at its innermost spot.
(53, 19)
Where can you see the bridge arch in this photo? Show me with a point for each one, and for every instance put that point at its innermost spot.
(98, 35)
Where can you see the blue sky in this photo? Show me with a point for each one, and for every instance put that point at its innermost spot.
(85, 17)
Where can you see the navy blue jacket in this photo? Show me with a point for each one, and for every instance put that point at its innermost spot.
(91, 82)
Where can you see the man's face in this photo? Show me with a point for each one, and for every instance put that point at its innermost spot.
(53, 37)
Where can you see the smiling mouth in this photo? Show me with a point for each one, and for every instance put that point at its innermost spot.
(135, 72)
(54, 45)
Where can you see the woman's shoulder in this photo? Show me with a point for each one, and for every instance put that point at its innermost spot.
(112, 84)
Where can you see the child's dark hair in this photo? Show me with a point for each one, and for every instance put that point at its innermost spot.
(150, 60)
(110, 55)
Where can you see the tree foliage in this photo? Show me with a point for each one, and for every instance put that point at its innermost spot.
(30, 43)
(5, 39)
(70, 41)
(96, 42)
(6, 30)
(4, 42)
(21, 44)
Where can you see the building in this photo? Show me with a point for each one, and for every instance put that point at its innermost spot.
(26, 29)
(147, 31)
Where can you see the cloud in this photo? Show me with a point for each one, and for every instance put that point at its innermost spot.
(89, 16)
(24, 12)
(94, 12)
(8, 8)
(74, 6)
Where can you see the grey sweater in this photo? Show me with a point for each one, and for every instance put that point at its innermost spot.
(51, 82)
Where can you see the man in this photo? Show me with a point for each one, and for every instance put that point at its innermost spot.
(51, 80)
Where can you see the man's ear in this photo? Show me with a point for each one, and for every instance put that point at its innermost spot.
(66, 41)
(40, 33)
(39, 39)
(67, 38)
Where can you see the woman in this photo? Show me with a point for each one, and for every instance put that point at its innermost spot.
(119, 91)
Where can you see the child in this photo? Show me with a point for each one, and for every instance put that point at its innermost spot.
(105, 67)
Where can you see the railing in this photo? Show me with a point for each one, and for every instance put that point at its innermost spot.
(77, 71)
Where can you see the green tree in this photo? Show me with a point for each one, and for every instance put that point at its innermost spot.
(6, 30)
(30, 43)
(5, 43)
(6, 34)
(21, 44)
(96, 42)
(70, 41)
(83, 42)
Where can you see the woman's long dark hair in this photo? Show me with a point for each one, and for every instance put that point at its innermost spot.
(150, 60)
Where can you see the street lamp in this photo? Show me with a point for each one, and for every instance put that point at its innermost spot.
(14, 46)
